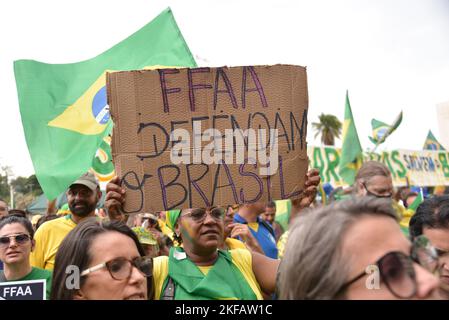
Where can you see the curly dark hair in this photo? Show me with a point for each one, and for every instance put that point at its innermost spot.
(17, 218)
(432, 213)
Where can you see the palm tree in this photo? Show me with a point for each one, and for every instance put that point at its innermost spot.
(329, 127)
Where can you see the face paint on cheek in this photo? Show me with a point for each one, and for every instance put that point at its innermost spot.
(186, 231)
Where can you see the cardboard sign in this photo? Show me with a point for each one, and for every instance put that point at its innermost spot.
(23, 290)
(186, 138)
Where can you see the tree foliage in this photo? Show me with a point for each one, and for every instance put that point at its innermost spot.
(329, 127)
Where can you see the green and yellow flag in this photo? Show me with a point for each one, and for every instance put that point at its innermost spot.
(102, 165)
(381, 130)
(351, 151)
(283, 212)
(432, 143)
(64, 111)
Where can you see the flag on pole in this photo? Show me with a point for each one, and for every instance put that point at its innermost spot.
(432, 143)
(351, 151)
(63, 107)
(381, 130)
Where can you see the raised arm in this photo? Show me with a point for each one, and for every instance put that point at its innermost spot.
(115, 198)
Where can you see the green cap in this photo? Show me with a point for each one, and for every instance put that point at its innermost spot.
(89, 180)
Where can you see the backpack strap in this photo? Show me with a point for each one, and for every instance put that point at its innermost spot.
(269, 227)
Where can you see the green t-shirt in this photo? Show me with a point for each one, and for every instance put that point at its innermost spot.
(38, 274)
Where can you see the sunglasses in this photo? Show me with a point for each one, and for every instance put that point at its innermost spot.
(199, 214)
(397, 271)
(18, 238)
(121, 268)
(370, 193)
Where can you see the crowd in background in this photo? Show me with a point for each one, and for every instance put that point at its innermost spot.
(375, 242)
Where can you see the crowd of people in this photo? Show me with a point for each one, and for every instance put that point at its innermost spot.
(368, 246)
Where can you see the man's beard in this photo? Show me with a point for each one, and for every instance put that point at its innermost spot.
(82, 211)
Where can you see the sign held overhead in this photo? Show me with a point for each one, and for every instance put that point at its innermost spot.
(200, 137)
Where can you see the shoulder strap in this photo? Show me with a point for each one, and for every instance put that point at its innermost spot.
(267, 226)
(169, 291)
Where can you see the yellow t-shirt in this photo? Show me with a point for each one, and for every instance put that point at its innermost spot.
(254, 226)
(48, 238)
(205, 269)
(404, 214)
(232, 243)
(242, 259)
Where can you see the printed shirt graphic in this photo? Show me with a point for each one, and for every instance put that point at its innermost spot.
(38, 274)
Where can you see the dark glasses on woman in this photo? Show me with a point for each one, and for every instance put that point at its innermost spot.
(121, 268)
(18, 238)
(397, 271)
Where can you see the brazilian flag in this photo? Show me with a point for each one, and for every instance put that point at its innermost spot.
(351, 151)
(381, 130)
(64, 111)
(432, 143)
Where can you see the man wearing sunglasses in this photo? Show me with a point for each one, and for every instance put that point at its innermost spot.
(82, 197)
(432, 220)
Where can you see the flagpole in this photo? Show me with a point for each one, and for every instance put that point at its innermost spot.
(377, 144)
(11, 195)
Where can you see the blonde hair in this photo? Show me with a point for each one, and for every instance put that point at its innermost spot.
(313, 266)
(369, 170)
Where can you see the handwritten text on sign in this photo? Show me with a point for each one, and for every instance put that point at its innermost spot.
(187, 138)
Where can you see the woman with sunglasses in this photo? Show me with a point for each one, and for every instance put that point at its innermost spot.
(354, 249)
(101, 261)
(198, 269)
(16, 244)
